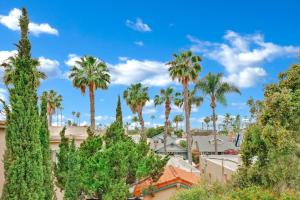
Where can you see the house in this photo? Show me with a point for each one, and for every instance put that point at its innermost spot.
(206, 144)
(157, 145)
(219, 168)
(173, 179)
(77, 132)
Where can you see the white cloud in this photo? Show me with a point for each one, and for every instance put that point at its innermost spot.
(72, 58)
(139, 43)
(123, 58)
(11, 21)
(84, 123)
(4, 55)
(49, 67)
(138, 25)
(151, 73)
(242, 55)
(149, 111)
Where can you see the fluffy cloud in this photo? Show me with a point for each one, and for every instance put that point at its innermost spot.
(139, 43)
(49, 67)
(72, 58)
(4, 55)
(11, 21)
(138, 25)
(129, 71)
(242, 55)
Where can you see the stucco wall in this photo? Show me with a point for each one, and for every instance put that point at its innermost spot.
(162, 195)
(215, 172)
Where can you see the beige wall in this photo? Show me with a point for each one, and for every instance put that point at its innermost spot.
(213, 172)
(162, 195)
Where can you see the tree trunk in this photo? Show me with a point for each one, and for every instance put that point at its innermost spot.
(92, 107)
(140, 116)
(176, 124)
(187, 122)
(50, 118)
(57, 118)
(167, 113)
(214, 125)
(60, 117)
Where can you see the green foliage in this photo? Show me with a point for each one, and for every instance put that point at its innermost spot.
(178, 133)
(136, 97)
(119, 116)
(204, 191)
(73, 178)
(90, 73)
(62, 166)
(270, 150)
(47, 163)
(105, 167)
(153, 131)
(183, 144)
(23, 162)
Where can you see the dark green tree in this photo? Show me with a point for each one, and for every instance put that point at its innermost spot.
(44, 136)
(73, 179)
(119, 116)
(24, 177)
(62, 166)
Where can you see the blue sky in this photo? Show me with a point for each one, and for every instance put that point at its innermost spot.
(248, 41)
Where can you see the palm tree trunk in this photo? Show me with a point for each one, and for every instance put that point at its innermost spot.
(92, 107)
(215, 130)
(60, 117)
(143, 134)
(57, 118)
(167, 113)
(50, 118)
(176, 124)
(187, 122)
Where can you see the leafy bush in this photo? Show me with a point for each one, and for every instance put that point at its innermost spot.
(153, 131)
(183, 143)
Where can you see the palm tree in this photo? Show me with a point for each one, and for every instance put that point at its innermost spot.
(206, 121)
(53, 103)
(136, 97)
(177, 119)
(60, 109)
(192, 100)
(58, 101)
(78, 118)
(74, 115)
(9, 71)
(213, 86)
(93, 74)
(166, 97)
(185, 68)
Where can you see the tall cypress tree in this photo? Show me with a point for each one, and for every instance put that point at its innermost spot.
(62, 167)
(119, 117)
(24, 177)
(47, 164)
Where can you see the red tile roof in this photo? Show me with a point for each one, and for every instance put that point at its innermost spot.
(171, 175)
